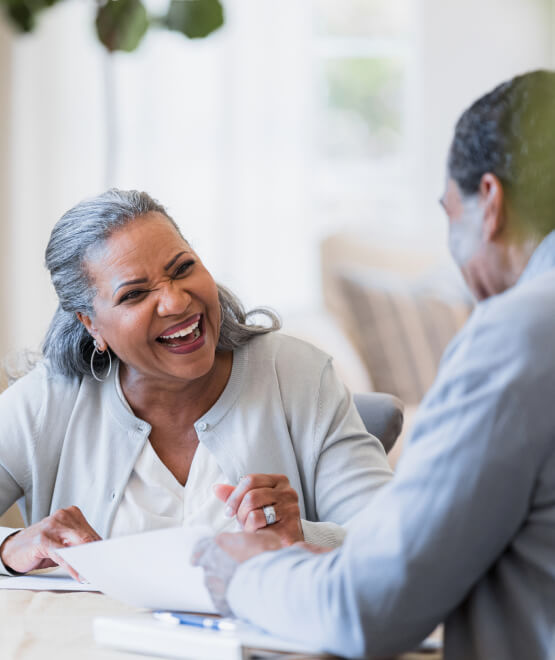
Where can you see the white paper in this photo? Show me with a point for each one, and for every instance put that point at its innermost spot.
(150, 570)
(54, 579)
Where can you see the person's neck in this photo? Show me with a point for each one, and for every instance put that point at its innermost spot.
(517, 254)
(172, 398)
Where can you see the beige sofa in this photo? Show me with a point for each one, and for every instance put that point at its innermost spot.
(387, 317)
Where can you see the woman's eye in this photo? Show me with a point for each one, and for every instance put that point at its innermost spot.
(131, 295)
(183, 268)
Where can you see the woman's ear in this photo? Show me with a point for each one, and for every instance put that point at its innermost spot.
(87, 322)
(492, 197)
(91, 329)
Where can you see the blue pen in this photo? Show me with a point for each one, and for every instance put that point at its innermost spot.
(199, 620)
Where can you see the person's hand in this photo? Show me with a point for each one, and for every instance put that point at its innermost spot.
(219, 557)
(315, 549)
(37, 545)
(253, 493)
(241, 546)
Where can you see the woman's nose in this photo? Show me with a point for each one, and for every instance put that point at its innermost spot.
(173, 299)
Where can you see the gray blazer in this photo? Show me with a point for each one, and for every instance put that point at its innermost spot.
(465, 531)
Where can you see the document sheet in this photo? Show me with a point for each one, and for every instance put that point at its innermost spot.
(151, 570)
(52, 579)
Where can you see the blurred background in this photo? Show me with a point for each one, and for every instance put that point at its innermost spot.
(301, 147)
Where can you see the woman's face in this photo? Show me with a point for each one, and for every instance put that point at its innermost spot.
(156, 305)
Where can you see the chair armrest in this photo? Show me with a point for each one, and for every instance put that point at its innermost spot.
(382, 415)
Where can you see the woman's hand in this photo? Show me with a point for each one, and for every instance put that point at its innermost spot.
(37, 545)
(253, 493)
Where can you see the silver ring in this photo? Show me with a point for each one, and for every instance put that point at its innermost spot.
(269, 514)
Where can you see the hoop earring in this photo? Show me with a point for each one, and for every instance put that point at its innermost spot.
(100, 354)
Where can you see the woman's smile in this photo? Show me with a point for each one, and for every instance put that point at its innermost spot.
(185, 337)
(155, 301)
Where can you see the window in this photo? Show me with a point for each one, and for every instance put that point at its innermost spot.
(362, 60)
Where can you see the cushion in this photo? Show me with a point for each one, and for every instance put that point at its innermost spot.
(401, 327)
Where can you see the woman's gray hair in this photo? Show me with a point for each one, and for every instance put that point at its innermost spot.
(68, 346)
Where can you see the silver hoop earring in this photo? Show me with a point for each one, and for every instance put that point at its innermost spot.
(100, 354)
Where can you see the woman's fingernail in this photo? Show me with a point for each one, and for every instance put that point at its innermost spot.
(228, 512)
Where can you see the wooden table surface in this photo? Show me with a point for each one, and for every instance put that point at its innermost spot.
(46, 625)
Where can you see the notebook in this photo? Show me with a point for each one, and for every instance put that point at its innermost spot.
(142, 633)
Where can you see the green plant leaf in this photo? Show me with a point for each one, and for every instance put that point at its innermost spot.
(22, 12)
(194, 18)
(21, 16)
(121, 24)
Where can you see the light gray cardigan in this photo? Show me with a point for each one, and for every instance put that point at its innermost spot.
(73, 442)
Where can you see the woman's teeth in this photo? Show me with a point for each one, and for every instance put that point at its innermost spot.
(181, 334)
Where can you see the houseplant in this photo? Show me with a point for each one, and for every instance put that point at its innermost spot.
(121, 24)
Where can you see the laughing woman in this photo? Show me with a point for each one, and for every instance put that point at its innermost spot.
(154, 387)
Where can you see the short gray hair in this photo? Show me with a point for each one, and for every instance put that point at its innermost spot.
(68, 346)
(509, 132)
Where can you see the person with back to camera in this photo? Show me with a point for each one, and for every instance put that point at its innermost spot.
(469, 535)
(154, 387)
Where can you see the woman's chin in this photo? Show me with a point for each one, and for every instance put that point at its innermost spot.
(189, 365)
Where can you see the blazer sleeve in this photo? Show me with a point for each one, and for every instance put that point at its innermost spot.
(350, 464)
(462, 491)
(21, 411)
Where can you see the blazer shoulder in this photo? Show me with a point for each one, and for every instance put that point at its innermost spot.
(39, 389)
(286, 349)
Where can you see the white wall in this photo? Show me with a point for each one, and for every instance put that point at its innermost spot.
(466, 48)
(239, 183)
(5, 224)
(54, 156)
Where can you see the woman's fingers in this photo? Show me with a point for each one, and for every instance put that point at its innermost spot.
(255, 520)
(256, 491)
(250, 482)
(255, 500)
(70, 536)
(37, 546)
(223, 491)
(75, 526)
(63, 563)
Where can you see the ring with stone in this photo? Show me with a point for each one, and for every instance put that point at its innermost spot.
(269, 514)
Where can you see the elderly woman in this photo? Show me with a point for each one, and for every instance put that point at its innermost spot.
(154, 388)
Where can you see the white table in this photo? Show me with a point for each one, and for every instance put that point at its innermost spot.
(46, 625)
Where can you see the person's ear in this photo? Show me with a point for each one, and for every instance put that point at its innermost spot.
(492, 198)
(91, 329)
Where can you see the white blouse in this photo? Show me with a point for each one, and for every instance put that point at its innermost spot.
(154, 499)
